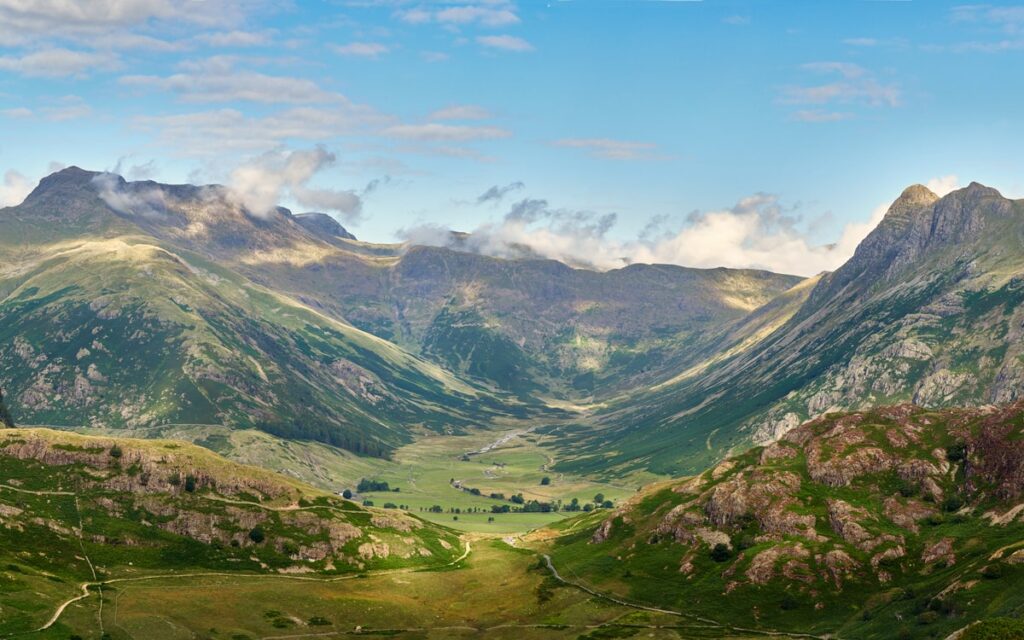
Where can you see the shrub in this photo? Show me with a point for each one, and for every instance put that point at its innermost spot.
(956, 452)
(545, 481)
(789, 602)
(721, 552)
(257, 534)
(319, 621)
(116, 452)
(347, 494)
(190, 484)
(952, 503)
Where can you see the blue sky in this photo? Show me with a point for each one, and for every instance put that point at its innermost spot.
(699, 133)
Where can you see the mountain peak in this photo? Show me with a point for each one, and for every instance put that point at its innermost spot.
(916, 194)
(323, 226)
(978, 190)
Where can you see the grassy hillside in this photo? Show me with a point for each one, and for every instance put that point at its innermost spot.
(897, 522)
(124, 332)
(77, 509)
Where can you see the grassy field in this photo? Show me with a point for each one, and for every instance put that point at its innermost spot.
(502, 592)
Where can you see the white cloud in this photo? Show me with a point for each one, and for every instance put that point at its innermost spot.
(612, 149)
(217, 79)
(57, 63)
(461, 112)
(755, 233)
(262, 183)
(362, 49)
(505, 43)
(235, 38)
(943, 184)
(436, 132)
(14, 189)
(130, 200)
(111, 21)
(484, 14)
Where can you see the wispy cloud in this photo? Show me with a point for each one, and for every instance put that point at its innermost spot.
(218, 80)
(236, 38)
(505, 43)
(487, 14)
(362, 49)
(497, 193)
(59, 62)
(609, 149)
(852, 85)
(437, 132)
(461, 112)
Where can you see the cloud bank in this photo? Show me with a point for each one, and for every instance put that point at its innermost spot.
(758, 232)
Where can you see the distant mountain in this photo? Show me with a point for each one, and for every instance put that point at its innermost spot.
(929, 309)
(896, 522)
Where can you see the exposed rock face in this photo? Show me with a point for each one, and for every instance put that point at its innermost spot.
(843, 499)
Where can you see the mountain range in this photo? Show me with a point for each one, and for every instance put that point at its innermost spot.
(138, 304)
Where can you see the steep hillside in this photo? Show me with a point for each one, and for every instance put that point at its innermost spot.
(897, 522)
(927, 310)
(76, 509)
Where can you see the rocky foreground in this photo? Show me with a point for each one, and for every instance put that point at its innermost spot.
(851, 521)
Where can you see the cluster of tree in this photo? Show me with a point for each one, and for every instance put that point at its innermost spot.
(374, 485)
(5, 416)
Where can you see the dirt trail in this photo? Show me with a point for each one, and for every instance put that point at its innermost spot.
(681, 614)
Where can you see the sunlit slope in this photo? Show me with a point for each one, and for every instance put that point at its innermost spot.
(124, 332)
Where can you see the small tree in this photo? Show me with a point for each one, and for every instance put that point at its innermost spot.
(115, 452)
(599, 498)
(190, 484)
(720, 552)
(257, 534)
(347, 494)
(545, 481)
(5, 415)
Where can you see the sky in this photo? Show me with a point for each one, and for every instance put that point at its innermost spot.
(598, 132)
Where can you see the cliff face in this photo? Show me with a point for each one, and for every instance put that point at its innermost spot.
(841, 512)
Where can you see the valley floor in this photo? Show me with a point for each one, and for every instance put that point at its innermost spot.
(509, 460)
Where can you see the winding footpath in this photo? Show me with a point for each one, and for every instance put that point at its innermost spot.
(670, 612)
